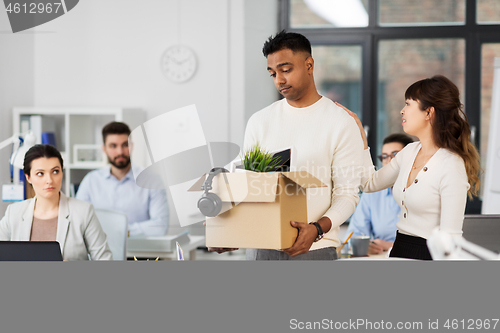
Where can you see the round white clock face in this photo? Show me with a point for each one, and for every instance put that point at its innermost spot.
(178, 63)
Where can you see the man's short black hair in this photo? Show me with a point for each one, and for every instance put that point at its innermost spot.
(114, 127)
(287, 40)
(399, 138)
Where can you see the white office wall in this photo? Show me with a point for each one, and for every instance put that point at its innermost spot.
(107, 53)
(16, 85)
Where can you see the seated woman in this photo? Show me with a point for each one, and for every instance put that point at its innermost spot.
(430, 178)
(52, 216)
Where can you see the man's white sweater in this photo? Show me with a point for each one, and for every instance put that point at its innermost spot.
(325, 142)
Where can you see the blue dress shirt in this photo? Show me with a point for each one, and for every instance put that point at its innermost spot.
(376, 216)
(146, 209)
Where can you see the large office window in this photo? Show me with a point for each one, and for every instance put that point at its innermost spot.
(423, 12)
(488, 12)
(337, 73)
(328, 13)
(404, 61)
(400, 42)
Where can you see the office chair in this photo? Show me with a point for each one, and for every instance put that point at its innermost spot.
(483, 230)
(115, 225)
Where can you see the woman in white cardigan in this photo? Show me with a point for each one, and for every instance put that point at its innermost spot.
(52, 216)
(430, 178)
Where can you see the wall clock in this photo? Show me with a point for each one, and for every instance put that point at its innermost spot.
(178, 63)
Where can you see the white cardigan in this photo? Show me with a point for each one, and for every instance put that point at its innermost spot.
(436, 198)
(79, 232)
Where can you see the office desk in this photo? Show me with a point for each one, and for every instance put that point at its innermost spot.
(148, 247)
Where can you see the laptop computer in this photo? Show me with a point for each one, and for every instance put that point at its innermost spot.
(483, 230)
(30, 251)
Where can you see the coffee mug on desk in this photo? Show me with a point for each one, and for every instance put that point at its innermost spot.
(359, 245)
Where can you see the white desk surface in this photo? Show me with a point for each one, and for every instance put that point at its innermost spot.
(189, 249)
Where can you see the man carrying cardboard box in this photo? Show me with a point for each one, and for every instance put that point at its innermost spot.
(325, 142)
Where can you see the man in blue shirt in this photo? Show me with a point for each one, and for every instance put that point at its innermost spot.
(377, 213)
(113, 187)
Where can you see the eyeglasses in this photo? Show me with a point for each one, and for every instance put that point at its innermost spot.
(383, 157)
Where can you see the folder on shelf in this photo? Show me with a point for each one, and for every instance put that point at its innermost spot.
(49, 138)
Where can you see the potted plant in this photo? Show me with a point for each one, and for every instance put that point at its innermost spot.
(258, 160)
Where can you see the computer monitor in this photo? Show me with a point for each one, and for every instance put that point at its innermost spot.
(30, 251)
(483, 230)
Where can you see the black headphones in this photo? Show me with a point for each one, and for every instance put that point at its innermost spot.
(210, 204)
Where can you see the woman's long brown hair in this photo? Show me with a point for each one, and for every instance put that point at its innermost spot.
(450, 128)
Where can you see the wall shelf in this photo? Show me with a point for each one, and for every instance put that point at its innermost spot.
(74, 125)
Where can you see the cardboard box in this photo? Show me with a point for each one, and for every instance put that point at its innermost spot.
(258, 208)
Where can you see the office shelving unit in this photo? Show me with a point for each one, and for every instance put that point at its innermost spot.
(75, 125)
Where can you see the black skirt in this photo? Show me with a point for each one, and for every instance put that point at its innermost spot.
(411, 247)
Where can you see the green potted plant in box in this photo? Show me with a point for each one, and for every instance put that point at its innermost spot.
(258, 160)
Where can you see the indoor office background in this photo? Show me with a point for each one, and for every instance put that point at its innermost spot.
(107, 54)
(368, 52)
